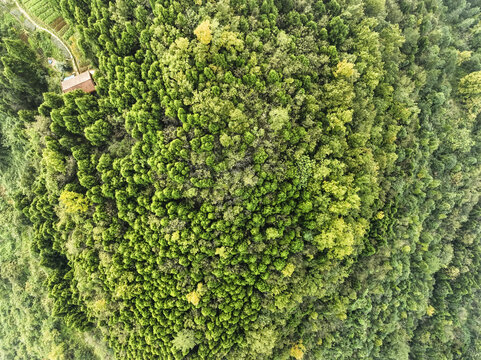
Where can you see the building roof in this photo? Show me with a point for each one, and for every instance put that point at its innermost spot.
(82, 81)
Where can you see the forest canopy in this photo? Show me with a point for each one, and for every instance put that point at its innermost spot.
(273, 179)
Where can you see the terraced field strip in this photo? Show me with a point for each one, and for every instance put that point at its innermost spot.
(45, 10)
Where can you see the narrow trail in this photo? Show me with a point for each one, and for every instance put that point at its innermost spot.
(24, 13)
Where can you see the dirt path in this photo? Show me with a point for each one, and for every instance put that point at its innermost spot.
(24, 13)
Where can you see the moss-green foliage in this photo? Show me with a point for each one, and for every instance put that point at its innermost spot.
(265, 180)
(22, 79)
(28, 327)
(28, 330)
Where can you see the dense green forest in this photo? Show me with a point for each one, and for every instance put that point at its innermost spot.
(29, 328)
(276, 179)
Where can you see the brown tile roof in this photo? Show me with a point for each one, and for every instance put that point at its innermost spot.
(82, 81)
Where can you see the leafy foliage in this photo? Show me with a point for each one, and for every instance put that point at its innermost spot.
(266, 180)
(28, 328)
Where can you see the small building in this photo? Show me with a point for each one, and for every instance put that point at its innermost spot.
(82, 81)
